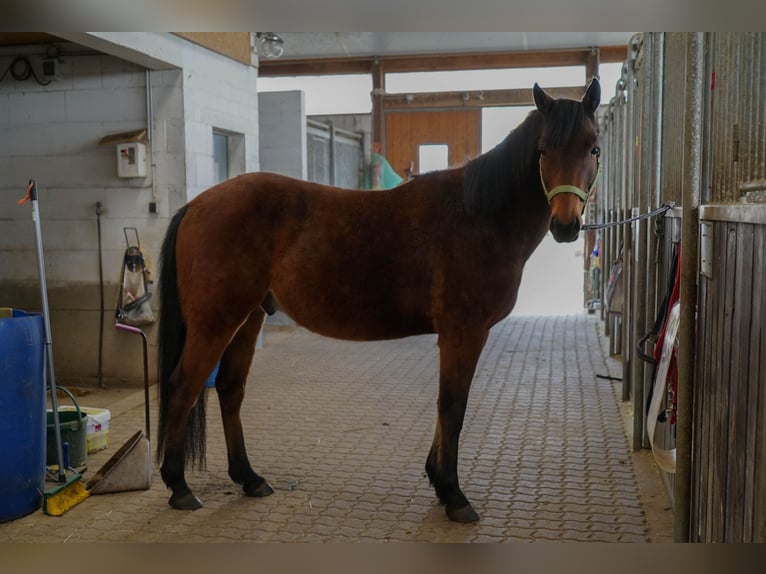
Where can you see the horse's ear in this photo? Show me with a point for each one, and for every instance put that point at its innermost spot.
(592, 97)
(542, 100)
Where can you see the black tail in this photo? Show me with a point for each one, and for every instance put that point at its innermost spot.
(172, 337)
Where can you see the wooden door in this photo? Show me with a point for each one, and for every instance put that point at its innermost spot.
(459, 130)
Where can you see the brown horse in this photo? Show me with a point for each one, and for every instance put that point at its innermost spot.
(440, 254)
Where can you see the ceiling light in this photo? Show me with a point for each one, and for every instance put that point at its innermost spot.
(271, 45)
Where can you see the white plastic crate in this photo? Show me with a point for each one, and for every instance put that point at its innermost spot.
(96, 427)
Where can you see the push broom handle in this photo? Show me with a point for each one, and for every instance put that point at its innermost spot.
(32, 194)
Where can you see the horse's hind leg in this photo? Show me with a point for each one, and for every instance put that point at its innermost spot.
(185, 411)
(459, 352)
(230, 385)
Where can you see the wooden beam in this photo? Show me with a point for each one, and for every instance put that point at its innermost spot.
(315, 67)
(612, 54)
(473, 98)
(235, 45)
(591, 67)
(440, 62)
(487, 61)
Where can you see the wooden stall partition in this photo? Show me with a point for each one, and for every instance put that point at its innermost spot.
(729, 451)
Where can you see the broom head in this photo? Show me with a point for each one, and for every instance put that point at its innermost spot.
(65, 495)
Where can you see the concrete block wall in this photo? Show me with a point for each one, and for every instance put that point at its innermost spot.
(282, 117)
(51, 133)
(283, 133)
(220, 95)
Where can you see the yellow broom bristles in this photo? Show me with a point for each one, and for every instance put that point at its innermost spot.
(60, 499)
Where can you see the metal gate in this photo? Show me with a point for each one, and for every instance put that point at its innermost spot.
(335, 156)
(687, 124)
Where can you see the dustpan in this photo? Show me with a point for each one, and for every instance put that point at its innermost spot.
(130, 468)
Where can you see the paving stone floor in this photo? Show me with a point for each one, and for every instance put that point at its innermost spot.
(342, 429)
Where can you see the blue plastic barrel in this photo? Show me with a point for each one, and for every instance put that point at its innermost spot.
(22, 413)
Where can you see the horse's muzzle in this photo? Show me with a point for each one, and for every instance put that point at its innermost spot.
(565, 232)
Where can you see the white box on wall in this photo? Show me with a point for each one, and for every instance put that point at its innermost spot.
(131, 160)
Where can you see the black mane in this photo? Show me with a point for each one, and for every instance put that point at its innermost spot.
(491, 180)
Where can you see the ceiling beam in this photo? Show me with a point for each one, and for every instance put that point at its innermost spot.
(314, 67)
(441, 62)
(473, 98)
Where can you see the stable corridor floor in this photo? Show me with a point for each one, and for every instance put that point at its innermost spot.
(342, 430)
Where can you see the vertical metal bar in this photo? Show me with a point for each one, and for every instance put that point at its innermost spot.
(641, 195)
(144, 348)
(378, 117)
(333, 155)
(619, 143)
(657, 103)
(629, 184)
(147, 419)
(620, 161)
(49, 371)
(654, 185)
(150, 131)
(607, 195)
(692, 168)
(101, 298)
(592, 62)
(707, 122)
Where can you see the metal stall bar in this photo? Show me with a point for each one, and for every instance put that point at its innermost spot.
(619, 194)
(610, 194)
(604, 199)
(647, 198)
(692, 168)
(654, 185)
(644, 142)
(335, 155)
(627, 203)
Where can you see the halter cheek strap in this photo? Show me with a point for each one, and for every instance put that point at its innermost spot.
(584, 195)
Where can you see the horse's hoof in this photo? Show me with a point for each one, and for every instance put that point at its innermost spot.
(185, 502)
(463, 514)
(259, 489)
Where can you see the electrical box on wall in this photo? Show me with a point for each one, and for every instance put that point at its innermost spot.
(131, 160)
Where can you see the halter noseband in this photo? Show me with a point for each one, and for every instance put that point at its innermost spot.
(570, 188)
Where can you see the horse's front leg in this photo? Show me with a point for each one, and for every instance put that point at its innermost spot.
(459, 352)
(230, 385)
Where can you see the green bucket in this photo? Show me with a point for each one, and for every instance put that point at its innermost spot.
(73, 430)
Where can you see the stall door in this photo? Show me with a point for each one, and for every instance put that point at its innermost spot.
(424, 141)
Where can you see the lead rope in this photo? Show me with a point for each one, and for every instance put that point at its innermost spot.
(667, 206)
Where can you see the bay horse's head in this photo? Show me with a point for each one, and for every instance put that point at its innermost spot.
(569, 157)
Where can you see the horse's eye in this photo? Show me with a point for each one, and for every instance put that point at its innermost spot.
(596, 151)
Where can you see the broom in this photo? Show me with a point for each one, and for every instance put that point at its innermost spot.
(69, 491)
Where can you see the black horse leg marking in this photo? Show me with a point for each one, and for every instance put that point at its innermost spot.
(230, 385)
(186, 409)
(459, 353)
(172, 469)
